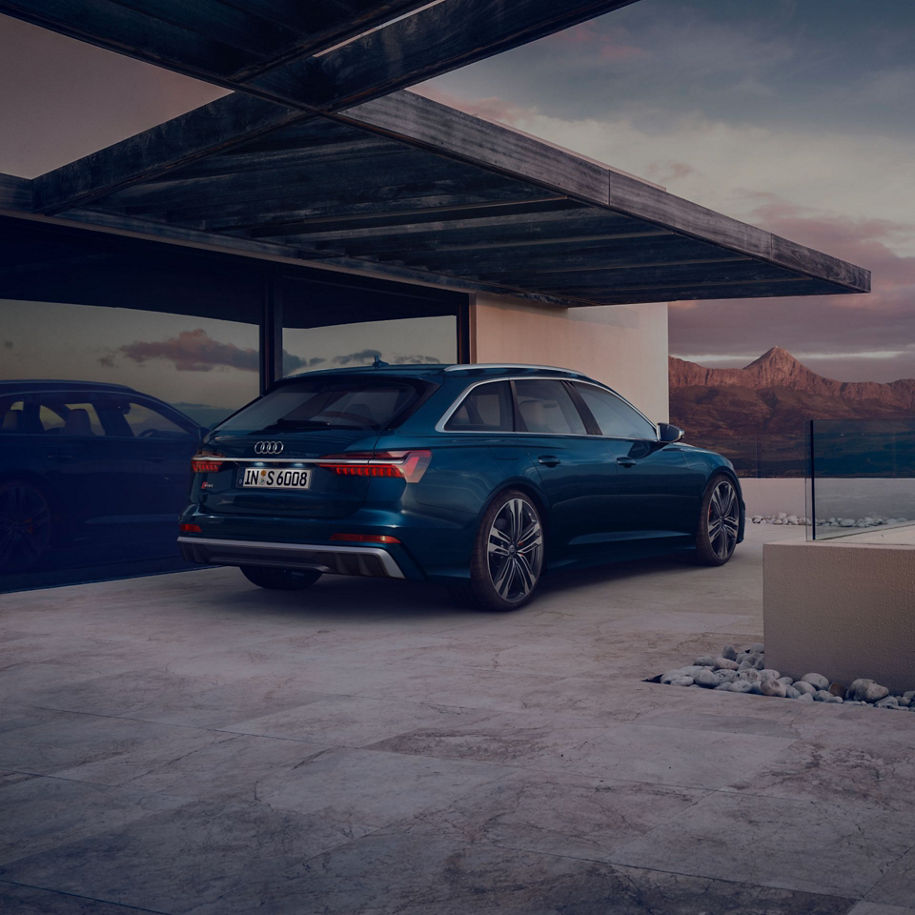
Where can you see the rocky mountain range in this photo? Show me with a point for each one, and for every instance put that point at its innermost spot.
(760, 412)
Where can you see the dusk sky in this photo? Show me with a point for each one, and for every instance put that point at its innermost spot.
(794, 115)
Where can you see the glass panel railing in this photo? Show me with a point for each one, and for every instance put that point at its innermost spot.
(861, 476)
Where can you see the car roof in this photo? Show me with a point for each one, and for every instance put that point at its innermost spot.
(52, 384)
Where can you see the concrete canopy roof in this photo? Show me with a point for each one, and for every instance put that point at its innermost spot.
(320, 157)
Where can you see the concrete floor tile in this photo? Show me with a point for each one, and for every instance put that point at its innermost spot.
(192, 763)
(876, 908)
(15, 715)
(159, 694)
(225, 856)
(731, 718)
(62, 740)
(897, 887)
(815, 847)
(555, 814)
(619, 750)
(41, 813)
(354, 721)
(377, 788)
(880, 774)
(419, 875)
(468, 688)
(28, 900)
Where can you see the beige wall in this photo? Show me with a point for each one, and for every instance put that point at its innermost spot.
(842, 608)
(624, 346)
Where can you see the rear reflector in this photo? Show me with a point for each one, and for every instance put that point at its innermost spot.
(190, 528)
(408, 465)
(365, 538)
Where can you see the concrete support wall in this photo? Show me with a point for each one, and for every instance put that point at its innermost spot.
(624, 346)
(842, 609)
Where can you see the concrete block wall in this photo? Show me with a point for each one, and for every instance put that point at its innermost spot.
(624, 346)
(842, 608)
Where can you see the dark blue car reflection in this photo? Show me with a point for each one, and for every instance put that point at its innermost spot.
(479, 476)
(86, 462)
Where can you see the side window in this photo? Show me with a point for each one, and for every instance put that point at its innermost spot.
(544, 405)
(145, 420)
(65, 416)
(487, 408)
(15, 417)
(615, 417)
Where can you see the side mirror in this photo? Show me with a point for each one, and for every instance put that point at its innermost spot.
(669, 434)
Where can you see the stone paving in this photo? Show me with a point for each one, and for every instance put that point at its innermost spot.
(187, 743)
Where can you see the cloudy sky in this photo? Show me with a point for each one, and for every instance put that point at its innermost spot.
(794, 115)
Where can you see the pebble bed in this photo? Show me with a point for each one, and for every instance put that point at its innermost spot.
(744, 671)
(869, 521)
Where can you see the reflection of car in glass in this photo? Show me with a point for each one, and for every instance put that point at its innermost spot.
(478, 475)
(80, 460)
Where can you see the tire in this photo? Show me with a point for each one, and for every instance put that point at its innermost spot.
(25, 526)
(507, 557)
(719, 522)
(278, 579)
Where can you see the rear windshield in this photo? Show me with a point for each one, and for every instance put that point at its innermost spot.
(330, 403)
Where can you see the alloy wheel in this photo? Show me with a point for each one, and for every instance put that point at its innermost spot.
(25, 526)
(723, 519)
(515, 550)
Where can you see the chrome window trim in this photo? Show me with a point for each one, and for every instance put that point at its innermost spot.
(581, 379)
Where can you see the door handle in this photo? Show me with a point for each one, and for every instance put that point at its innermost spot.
(549, 460)
(626, 461)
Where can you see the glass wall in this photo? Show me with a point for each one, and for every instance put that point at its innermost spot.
(101, 409)
(861, 476)
(399, 340)
(205, 367)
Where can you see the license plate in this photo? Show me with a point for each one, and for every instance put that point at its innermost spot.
(276, 478)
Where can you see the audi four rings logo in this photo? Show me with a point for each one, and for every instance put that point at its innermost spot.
(268, 447)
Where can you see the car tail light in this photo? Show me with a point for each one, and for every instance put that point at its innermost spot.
(190, 528)
(365, 538)
(203, 462)
(408, 465)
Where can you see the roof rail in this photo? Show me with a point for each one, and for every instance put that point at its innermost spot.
(467, 367)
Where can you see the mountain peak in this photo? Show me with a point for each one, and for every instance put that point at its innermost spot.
(775, 356)
(777, 368)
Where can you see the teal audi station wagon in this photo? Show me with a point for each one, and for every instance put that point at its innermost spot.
(480, 476)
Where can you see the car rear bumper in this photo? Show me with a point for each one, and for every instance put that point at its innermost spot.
(343, 560)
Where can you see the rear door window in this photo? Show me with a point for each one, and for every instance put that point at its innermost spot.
(64, 415)
(545, 406)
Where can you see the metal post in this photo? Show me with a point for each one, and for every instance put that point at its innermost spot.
(813, 496)
(271, 333)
